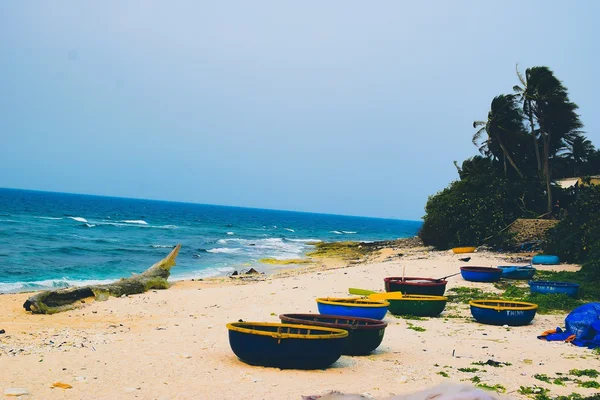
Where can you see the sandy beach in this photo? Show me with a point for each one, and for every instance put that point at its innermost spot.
(173, 344)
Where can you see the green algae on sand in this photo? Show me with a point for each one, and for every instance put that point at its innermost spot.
(275, 261)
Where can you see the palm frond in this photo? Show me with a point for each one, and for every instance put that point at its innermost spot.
(520, 76)
(477, 136)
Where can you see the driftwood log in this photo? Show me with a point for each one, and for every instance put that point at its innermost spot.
(54, 301)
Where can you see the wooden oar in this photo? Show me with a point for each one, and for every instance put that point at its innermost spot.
(449, 276)
(376, 295)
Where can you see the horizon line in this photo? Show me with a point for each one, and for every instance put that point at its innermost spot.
(206, 204)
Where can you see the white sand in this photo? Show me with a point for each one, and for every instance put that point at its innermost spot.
(173, 344)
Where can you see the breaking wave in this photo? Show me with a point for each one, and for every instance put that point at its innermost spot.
(13, 287)
(224, 250)
(78, 219)
(135, 221)
(304, 240)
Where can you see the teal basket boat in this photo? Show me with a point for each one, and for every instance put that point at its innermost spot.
(418, 305)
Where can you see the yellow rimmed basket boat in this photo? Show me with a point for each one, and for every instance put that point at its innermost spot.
(286, 345)
(419, 305)
(462, 250)
(353, 307)
(503, 312)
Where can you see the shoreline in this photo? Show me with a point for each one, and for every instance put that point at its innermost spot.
(265, 268)
(177, 347)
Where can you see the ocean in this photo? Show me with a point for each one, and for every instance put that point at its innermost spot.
(52, 240)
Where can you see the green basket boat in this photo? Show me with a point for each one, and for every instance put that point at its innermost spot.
(418, 305)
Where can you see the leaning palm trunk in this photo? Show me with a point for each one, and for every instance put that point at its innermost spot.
(534, 136)
(510, 160)
(54, 301)
(546, 143)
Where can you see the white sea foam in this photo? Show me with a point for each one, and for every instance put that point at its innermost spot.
(50, 218)
(275, 248)
(78, 219)
(13, 287)
(268, 247)
(135, 224)
(336, 232)
(202, 273)
(304, 240)
(90, 225)
(163, 246)
(230, 233)
(135, 221)
(349, 232)
(224, 250)
(289, 229)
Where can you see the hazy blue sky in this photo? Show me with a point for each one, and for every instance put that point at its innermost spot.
(347, 107)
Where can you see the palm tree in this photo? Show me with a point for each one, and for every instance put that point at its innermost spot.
(474, 166)
(503, 127)
(555, 115)
(526, 93)
(579, 150)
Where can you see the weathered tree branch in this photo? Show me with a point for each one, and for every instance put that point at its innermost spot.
(54, 301)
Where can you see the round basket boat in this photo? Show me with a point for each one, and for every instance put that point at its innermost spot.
(481, 274)
(545, 259)
(286, 345)
(461, 250)
(364, 334)
(353, 307)
(502, 312)
(418, 305)
(413, 285)
(547, 287)
(517, 272)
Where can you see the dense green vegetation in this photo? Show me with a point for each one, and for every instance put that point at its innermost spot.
(577, 237)
(529, 139)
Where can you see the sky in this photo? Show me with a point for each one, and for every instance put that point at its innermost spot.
(345, 107)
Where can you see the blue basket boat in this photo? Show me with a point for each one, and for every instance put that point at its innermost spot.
(517, 272)
(502, 312)
(481, 274)
(364, 334)
(545, 259)
(547, 287)
(286, 345)
(353, 307)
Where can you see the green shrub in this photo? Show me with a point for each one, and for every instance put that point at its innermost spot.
(576, 238)
(477, 208)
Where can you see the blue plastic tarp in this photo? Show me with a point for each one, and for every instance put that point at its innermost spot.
(583, 323)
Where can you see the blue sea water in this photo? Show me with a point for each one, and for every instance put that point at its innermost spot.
(50, 240)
